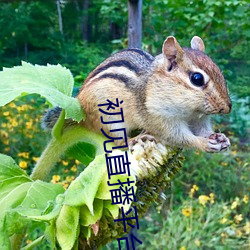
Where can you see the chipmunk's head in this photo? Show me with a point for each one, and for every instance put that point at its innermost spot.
(198, 77)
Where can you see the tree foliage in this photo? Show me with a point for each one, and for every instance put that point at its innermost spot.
(30, 32)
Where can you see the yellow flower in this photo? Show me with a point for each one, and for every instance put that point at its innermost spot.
(193, 190)
(65, 185)
(23, 164)
(197, 242)
(29, 124)
(245, 199)
(224, 164)
(12, 105)
(247, 227)
(70, 178)
(183, 248)
(238, 233)
(187, 211)
(6, 149)
(28, 241)
(77, 162)
(211, 195)
(35, 159)
(73, 168)
(223, 220)
(235, 203)
(6, 141)
(23, 107)
(238, 159)
(4, 134)
(55, 178)
(234, 152)
(65, 163)
(223, 235)
(238, 218)
(6, 113)
(203, 199)
(24, 154)
(14, 123)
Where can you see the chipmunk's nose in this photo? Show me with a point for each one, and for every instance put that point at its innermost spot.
(227, 108)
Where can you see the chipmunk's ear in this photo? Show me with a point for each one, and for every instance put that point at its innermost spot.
(197, 43)
(171, 49)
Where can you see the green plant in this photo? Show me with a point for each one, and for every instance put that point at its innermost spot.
(82, 216)
(199, 223)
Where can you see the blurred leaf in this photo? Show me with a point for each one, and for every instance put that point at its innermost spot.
(53, 82)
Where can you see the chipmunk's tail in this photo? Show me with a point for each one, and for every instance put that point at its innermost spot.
(50, 117)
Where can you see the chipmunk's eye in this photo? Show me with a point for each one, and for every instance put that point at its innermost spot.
(197, 79)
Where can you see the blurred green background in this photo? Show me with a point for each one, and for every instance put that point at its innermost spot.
(207, 206)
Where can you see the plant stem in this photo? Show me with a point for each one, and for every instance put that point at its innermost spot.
(52, 153)
(57, 147)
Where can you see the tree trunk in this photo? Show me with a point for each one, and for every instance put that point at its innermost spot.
(59, 16)
(135, 23)
(85, 20)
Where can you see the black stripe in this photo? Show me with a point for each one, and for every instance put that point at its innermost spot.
(118, 63)
(142, 53)
(118, 77)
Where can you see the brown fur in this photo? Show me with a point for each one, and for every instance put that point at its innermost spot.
(157, 94)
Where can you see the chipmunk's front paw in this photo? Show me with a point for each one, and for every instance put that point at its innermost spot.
(218, 142)
(141, 139)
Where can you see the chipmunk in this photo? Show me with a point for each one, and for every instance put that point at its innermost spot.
(170, 96)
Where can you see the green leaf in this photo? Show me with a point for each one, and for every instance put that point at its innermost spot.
(46, 216)
(14, 198)
(10, 222)
(9, 168)
(67, 226)
(83, 189)
(27, 201)
(113, 209)
(83, 152)
(86, 218)
(39, 194)
(6, 186)
(20, 197)
(53, 82)
(14, 223)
